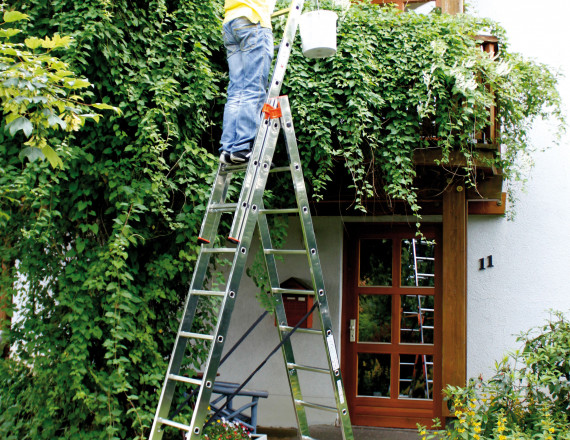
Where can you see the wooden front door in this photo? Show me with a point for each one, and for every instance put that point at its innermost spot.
(391, 335)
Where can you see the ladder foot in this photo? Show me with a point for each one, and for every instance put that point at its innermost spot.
(233, 240)
(203, 241)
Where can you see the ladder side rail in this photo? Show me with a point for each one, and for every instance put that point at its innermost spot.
(275, 84)
(248, 180)
(234, 279)
(218, 195)
(281, 317)
(315, 266)
(180, 343)
(285, 47)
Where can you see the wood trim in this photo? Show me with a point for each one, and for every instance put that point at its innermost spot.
(492, 207)
(401, 4)
(452, 6)
(454, 297)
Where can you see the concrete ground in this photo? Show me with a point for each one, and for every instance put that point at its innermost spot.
(327, 432)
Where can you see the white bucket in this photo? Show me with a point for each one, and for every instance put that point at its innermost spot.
(318, 33)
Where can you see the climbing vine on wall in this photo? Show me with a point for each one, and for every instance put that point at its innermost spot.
(98, 251)
(405, 81)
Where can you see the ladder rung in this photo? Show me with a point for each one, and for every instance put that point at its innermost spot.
(426, 310)
(316, 406)
(427, 275)
(184, 379)
(196, 336)
(219, 250)
(292, 291)
(427, 327)
(407, 363)
(306, 437)
(286, 328)
(429, 363)
(279, 170)
(405, 380)
(174, 424)
(292, 366)
(208, 292)
(222, 207)
(279, 211)
(280, 12)
(410, 329)
(285, 251)
(425, 258)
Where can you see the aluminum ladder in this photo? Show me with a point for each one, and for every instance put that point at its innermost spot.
(420, 314)
(248, 212)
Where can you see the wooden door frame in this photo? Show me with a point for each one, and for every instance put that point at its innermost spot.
(399, 414)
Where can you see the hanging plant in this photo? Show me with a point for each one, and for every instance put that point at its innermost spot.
(404, 82)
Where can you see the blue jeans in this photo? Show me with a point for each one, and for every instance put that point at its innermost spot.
(249, 52)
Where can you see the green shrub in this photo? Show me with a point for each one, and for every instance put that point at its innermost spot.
(526, 398)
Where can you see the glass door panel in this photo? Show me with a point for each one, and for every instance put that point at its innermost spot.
(417, 263)
(417, 319)
(374, 318)
(374, 375)
(416, 376)
(375, 262)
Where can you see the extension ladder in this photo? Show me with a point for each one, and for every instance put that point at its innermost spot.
(249, 211)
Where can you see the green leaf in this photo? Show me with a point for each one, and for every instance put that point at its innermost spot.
(33, 42)
(32, 154)
(52, 156)
(20, 123)
(11, 16)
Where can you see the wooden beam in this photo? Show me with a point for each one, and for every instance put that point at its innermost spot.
(433, 156)
(452, 6)
(454, 298)
(488, 207)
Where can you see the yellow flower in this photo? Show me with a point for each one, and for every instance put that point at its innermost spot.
(458, 413)
(502, 437)
(551, 429)
(461, 430)
(476, 437)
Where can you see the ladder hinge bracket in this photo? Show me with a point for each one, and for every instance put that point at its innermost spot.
(272, 112)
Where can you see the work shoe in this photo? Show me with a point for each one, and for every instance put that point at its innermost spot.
(240, 157)
(225, 158)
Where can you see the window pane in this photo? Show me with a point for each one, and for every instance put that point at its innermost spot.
(375, 262)
(374, 375)
(374, 318)
(418, 263)
(416, 376)
(417, 319)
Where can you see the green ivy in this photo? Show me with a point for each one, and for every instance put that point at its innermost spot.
(399, 81)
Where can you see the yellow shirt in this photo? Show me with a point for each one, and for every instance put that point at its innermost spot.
(256, 11)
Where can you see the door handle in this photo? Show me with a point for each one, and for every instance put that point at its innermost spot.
(352, 330)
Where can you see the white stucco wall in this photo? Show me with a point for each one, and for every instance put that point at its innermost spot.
(531, 254)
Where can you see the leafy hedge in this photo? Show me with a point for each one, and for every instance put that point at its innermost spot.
(527, 398)
(106, 243)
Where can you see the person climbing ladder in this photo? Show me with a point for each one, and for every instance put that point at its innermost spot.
(248, 39)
